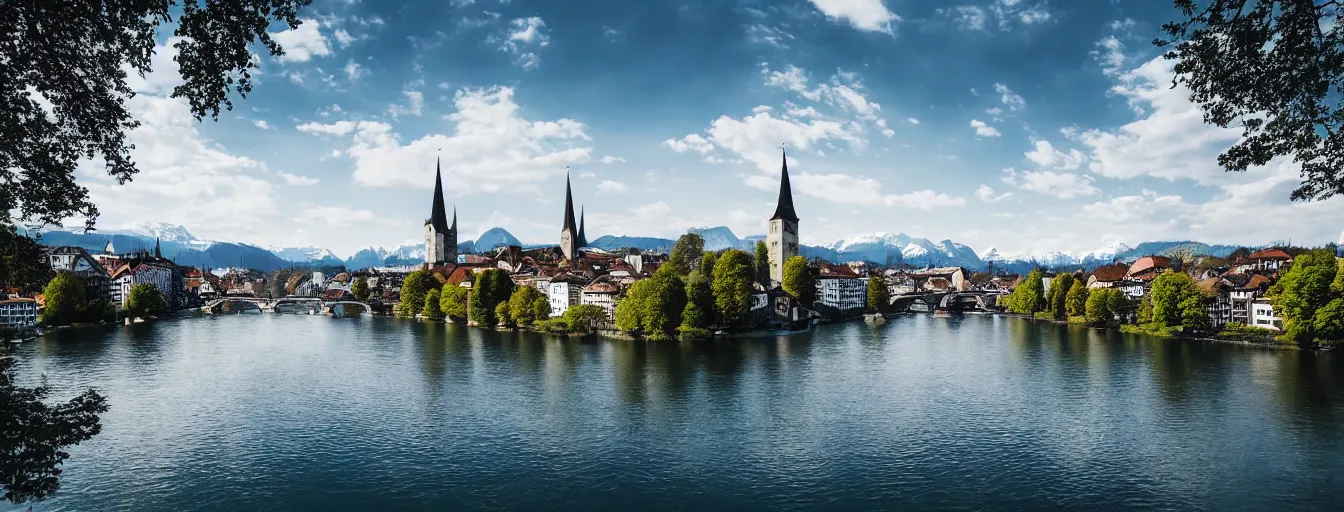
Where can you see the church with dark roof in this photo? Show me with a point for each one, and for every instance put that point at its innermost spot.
(782, 240)
(440, 238)
(572, 237)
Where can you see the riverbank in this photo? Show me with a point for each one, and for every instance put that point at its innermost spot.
(1239, 338)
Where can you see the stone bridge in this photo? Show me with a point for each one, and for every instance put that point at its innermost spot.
(239, 304)
(945, 301)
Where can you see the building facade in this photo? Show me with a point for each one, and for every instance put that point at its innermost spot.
(562, 295)
(440, 238)
(841, 296)
(75, 260)
(18, 313)
(781, 241)
(1264, 316)
(602, 295)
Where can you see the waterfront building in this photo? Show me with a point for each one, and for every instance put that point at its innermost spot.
(840, 291)
(602, 293)
(563, 292)
(75, 260)
(782, 239)
(569, 230)
(440, 238)
(166, 278)
(18, 312)
(1264, 316)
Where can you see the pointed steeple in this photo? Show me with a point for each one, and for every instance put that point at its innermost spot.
(569, 209)
(454, 228)
(438, 216)
(583, 238)
(784, 211)
(157, 252)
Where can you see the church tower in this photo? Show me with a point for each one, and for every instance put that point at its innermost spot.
(583, 239)
(782, 240)
(569, 232)
(440, 238)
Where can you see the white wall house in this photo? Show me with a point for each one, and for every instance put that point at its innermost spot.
(161, 278)
(602, 295)
(843, 293)
(563, 295)
(1264, 317)
(18, 312)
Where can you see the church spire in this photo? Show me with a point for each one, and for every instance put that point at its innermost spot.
(784, 210)
(569, 208)
(583, 239)
(454, 228)
(157, 252)
(438, 216)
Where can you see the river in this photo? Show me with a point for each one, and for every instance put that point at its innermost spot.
(284, 412)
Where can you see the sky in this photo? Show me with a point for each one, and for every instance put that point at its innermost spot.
(1026, 126)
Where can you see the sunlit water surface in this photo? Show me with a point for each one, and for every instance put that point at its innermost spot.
(281, 412)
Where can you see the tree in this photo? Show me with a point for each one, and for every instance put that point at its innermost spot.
(762, 264)
(630, 310)
(1103, 306)
(653, 306)
(145, 299)
(699, 311)
(64, 297)
(22, 263)
(1178, 302)
(360, 289)
(686, 253)
(580, 317)
(707, 263)
(453, 301)
(74, 57)
(1146, 309)
(797, 280)
(541, 308)
(1304, 289)
(34, 435)
(732, 288)
(1029, 295)
(1075, 303)
(492, 287)
(432, 309)
(1059, 292)
(1274, 68)
(503, 315)
(1328, 323)
(413, 290)
(521, 305)
(877, 294)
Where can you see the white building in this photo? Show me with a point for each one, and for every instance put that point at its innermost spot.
(602, 295)
(160, 277)
(562, 295)
(18, 313)
(842, 293)
(1264, 317)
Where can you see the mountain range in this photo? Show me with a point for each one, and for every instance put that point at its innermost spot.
(179, 244)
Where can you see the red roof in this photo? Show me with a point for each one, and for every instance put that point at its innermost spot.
(1271, 254)
(1111, 273)
(1148, 263)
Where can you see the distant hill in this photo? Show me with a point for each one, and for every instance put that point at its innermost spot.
(182, 248)
(613, 243)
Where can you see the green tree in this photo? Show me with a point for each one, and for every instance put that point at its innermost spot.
(1029, 295)
(22, 263)
(1178, 302)
(798, 280)
(653, 306)
(145, 299)
(75, 58)
(413, 290)
(541, 308)
(686, 253)
(503, 315)
(1075, 303)
(432, 309)
(699, 311)
(521, 305)
(1103, 306)
(762, 264)
(64, 299)
(707, 263)
(34, 436)
(1304, 289)
(580, 317)
(492, 287)
(453, 301)
(1146, 309)
(1328, 323)
(360, 289)
(732, 288)
(877, 294)
(630, 310)
(1194, 316)
(1059, 294)
(1274, 69)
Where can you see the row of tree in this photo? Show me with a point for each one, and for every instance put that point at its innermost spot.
(1310, 298)
(1068, 298)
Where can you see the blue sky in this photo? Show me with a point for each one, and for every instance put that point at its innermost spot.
(1029, 126)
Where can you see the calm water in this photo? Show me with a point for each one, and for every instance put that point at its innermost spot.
(275, 412)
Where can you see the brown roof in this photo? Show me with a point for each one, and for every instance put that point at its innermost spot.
(1210, 286)
(1111, 273)
(602, 287)
(1271, 254)
(829, 270)
(1147, 263)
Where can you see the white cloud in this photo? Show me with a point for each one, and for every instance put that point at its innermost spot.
(339, 216)
(844, 91)
(772, 36)
(1063, 185)
(1009, 98)
(866, 15)
(343, 38)
(528, 31)
(608, 159)
(303, 43)
(529, 61)
(353, 71)
(913, 120)
(1046, 156)
(415, 102)
(261, 123)
(970, 17)
(1003, 14)
(693, 142)
(611, 187)
(855, 190)
(339, 128)
(296, 180)
(1110, 53)
(984, 130)
(986, 193)
(490, 148)
(756, 138)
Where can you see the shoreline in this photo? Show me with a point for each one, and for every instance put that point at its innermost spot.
(1271, 344)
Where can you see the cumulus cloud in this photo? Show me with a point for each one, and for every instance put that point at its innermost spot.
(998, 14)
(1063, 185)
(608, 159)
(261, 123)
(303, 43)
(855, 190)
(296, 180)
(611, 187)
(522, 38)
(1009, 98)
(984, 130)
(693, 142)
(489, 148)
(866, 15)
(986, 193)
(1046, 156)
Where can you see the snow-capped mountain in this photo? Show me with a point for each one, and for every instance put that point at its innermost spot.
(303, 254)
(887, 248)
(913, 251)
(718, 238)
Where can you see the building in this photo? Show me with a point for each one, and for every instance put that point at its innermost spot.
(440, 238)
(602, 293)
(167, 279)
(1269, 259)
(75, 260)
(563, 293)
(1108, 276)
(776, 309)
(1147, 268)
(583, 238)
(569, 231)
(841, 296)
(18, 313)
(1264, 316)
(952, 279)
(781, 241)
